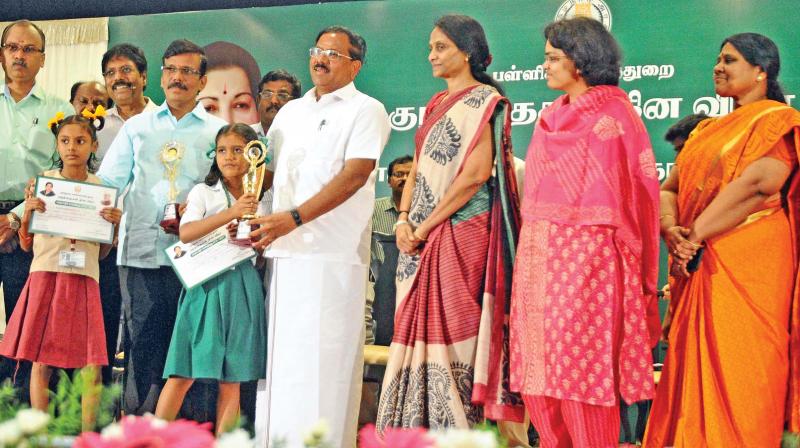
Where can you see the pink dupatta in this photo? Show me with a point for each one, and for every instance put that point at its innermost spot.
(590, 163)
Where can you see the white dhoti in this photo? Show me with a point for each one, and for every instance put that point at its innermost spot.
(315, 352)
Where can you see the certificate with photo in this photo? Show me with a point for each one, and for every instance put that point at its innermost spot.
(73, 209)
(206, 257)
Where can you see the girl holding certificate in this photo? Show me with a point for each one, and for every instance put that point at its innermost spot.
(220, 328)
(58, 321)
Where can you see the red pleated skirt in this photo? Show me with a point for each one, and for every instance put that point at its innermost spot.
(58, 321)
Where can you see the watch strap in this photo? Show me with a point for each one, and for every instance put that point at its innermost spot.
(296, 216)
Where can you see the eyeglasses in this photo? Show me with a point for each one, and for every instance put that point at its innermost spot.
(85, 102)
(552, 59)
(333, 55)
(185, 71)
(268, 94)
(27, 50)
(124, 70)
(400, 174)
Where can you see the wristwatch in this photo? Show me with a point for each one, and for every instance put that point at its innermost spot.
(296, 216)
(14, 222)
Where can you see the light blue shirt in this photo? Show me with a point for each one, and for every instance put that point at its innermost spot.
(133, 159)
(27, 147)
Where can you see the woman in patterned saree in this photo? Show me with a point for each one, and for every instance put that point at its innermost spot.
(732, 369)
(584, 313)
(456, 233)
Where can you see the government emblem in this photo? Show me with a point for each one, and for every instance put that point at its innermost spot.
(596, 9)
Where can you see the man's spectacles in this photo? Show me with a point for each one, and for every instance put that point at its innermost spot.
(27, 50)
(268, 94)
(85, 102)
(400, 174)
(124, 70)
(185, 71)
(333, 55)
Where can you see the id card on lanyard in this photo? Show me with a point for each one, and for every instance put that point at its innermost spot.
(72, 258)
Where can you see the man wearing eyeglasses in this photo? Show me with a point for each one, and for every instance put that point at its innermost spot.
(326, 145)
(124, 69)
(87, 95)
(384, 218)
(276, 89)
(150, 288)
(27, 147)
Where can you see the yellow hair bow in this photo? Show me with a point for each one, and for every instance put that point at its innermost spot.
(99, 111)
(54, 121)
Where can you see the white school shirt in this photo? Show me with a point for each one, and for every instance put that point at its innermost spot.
(204, 201)
(311, 141)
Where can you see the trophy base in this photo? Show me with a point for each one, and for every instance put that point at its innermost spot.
(171, 216)
(243, 230)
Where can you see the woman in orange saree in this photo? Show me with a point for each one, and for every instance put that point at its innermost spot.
(733, 365)
(456, 232)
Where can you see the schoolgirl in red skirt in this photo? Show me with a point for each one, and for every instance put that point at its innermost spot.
(58, 320)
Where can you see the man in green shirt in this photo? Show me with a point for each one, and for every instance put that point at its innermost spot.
(27, 147)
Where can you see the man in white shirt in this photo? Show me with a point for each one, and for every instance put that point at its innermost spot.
(326, 146)
(276, 88)
(124, 69)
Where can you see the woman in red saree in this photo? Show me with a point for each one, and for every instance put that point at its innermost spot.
(456, 233)
(586, 268)
(733, 365)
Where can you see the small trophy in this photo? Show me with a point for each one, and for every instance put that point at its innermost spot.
(171, 155)
(255, 152)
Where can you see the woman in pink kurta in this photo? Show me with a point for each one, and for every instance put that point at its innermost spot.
(585, 275)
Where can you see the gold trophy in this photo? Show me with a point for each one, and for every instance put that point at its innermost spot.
(252, 182)
(171, 155)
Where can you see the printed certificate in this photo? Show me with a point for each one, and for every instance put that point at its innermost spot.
(207, 257)
(73, 209)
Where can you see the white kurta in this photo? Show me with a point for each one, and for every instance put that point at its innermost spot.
(316, 322)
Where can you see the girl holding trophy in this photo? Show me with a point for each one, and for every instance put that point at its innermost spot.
(58, 321)
(220, 330)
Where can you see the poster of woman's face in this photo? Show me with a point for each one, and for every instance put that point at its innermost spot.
(232, 87)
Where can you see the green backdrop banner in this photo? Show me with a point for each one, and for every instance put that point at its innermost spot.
(669, 48)
(669, 51)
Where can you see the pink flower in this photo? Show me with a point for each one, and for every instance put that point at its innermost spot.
(149, 432)
(394, 438)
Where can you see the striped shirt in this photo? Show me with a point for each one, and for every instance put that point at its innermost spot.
(383, 218)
